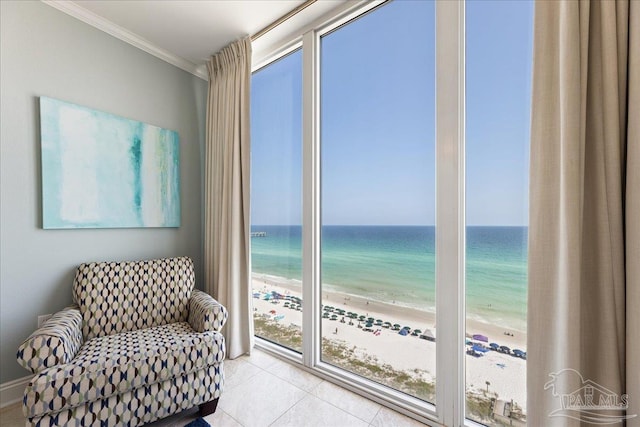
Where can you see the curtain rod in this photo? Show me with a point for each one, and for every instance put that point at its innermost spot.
(282, 19)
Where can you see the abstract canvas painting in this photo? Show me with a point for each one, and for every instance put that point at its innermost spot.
(104, 171)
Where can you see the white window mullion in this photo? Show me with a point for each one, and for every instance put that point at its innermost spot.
(450, 217)
(310, 201)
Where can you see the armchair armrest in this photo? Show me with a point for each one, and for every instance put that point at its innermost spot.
(205, 313)
(56, 342)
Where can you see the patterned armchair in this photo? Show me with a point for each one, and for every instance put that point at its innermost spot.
(139, 344)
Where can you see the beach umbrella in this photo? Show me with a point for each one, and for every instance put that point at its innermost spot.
(479, 337)
(362, 318)
(404, 332)
(479, 348)
(518, 352)
(473, 353)
(396, 327)
(428, 335)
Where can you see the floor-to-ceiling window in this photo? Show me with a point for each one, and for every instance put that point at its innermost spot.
(377, 135)
(389, 177)
(498, 84)
(276, 204)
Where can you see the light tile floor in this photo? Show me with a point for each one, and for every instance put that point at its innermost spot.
(262, 390)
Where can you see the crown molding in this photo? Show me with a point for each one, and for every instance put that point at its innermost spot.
(88, 17)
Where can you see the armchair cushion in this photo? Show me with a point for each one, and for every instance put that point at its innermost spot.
(116, 364)
(119, 297)
(56, 342)
(205, 313)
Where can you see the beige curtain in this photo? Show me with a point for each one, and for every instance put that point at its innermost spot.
(227, 179)
(584, 235)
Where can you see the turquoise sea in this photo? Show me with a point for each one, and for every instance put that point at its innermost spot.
(397, 263)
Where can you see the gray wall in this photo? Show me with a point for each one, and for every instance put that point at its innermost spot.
(45, 52)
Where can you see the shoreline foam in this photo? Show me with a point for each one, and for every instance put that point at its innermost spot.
(496, 333)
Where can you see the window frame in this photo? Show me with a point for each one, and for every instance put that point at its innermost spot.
(449, 224)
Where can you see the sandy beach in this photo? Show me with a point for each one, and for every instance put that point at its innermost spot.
(504, 373)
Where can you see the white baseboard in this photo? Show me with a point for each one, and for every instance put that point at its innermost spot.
(12, 391)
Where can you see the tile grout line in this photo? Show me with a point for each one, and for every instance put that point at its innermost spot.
(300, 370)
(374, 417)
(326, 401)
(331, 404)
(291, 407)
(229, 415)
(242, 382)
(306, 394)
(355, 395)
(352, 414)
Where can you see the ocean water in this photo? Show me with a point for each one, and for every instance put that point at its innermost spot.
(397, 264)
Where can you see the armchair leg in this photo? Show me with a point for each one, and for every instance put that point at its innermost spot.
(208, 408)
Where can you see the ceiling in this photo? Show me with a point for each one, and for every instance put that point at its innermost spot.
(193, 30)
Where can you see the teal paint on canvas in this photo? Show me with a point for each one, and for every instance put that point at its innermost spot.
(104, 171)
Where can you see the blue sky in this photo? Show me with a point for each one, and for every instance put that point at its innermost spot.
(378, 120)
